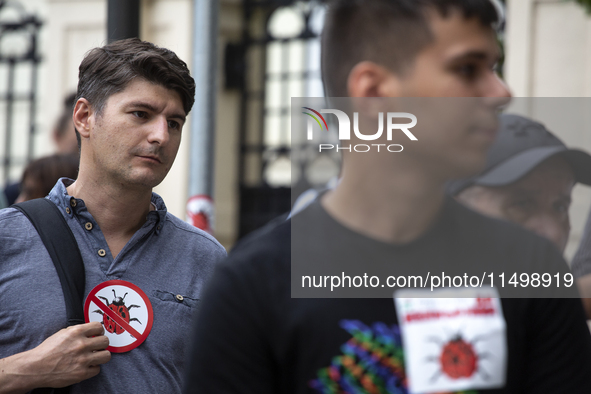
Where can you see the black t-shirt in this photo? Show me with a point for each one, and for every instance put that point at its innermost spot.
(252, 337)
(460, 243)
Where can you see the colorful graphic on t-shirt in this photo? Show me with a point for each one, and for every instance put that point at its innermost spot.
(372, 362)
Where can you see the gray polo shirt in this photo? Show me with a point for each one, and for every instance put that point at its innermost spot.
(165, 258)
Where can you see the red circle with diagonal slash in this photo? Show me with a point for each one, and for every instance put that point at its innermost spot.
(139, 337)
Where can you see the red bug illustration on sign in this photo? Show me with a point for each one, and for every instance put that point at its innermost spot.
(119, 307)
(458, 358)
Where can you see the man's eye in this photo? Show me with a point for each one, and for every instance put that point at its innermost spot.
(174, 124)
(140, 114)
(467, 71)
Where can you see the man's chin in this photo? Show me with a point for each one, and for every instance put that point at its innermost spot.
(147, 181)
(468, 168)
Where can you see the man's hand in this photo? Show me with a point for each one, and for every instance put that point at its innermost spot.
(67, 357)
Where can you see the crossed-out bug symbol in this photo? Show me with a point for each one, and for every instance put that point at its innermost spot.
(119, 307)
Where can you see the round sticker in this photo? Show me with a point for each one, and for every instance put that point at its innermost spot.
(200, 212)
(125, 312)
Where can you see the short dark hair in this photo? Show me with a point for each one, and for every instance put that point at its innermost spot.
(45, 172)
(387, 32)
(109, 69)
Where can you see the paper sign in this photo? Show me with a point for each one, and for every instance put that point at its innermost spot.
(452, 344)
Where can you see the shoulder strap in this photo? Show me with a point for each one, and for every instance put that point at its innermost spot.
(63, 249)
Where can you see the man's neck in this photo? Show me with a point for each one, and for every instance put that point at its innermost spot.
(119, 211)
(397, 207)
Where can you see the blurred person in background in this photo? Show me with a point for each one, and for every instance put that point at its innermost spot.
(64, 134)
(3, 203)
(528, 179)
(64, 138)
(581, 265)
(11, 192)
(41, 175)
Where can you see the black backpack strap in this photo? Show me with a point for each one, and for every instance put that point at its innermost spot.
(63, 249)
(65, 254)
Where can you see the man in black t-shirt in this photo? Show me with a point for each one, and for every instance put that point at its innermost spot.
(390, 210)
(259, 340)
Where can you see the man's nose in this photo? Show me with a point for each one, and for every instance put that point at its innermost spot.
(158, 132)
(496, 91)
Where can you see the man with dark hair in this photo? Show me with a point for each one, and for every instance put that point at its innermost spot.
(397, 30)
(390, 210)
(132, 101)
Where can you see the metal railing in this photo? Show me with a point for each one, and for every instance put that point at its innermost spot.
(19, 63)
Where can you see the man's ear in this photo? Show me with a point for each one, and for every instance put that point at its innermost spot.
(369, 79)
(83, 116)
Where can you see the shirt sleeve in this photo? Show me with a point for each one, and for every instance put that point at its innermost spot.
(230, 352)
(559, 347)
